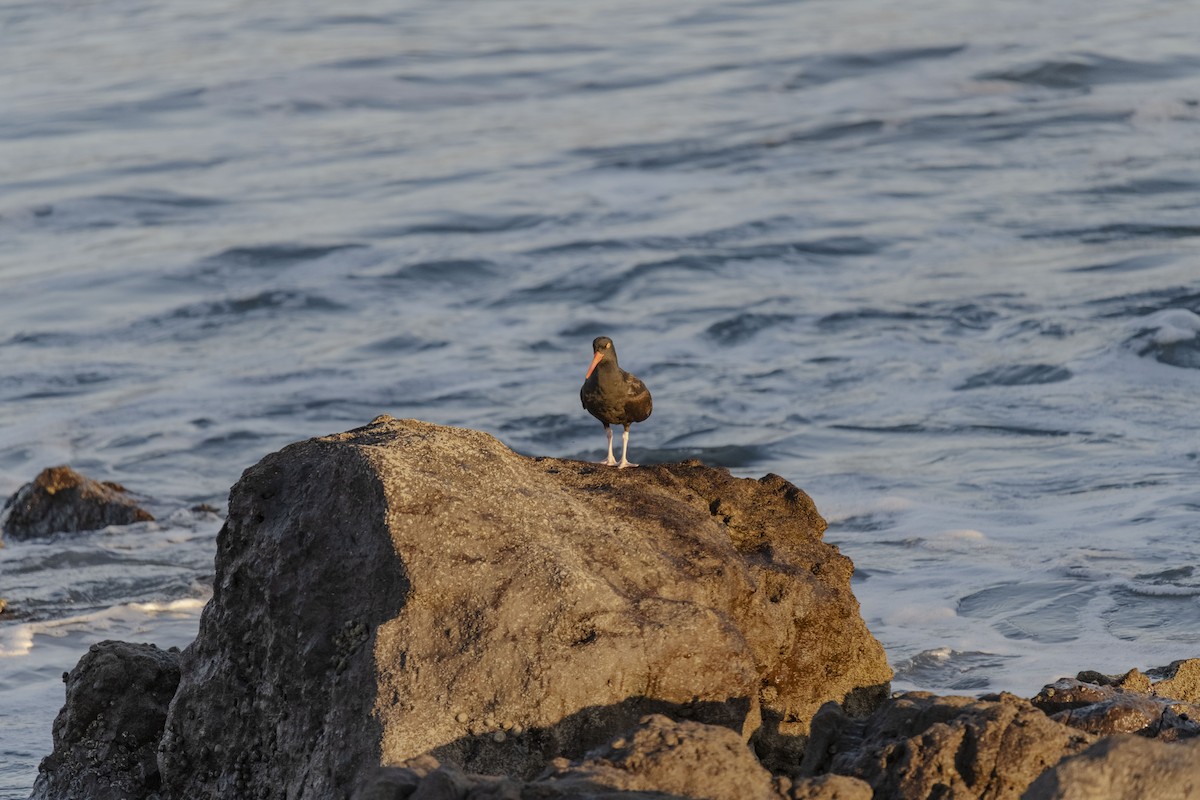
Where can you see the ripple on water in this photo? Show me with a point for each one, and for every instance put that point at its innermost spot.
(451, 270)
(223, 317)
(823, 69)
(951, 318)
(1085, 70)
(146, 207)
(275, 256)
(730, 456)
(1155, 613)
(1131, 264)
(461, 223)
(687, 154)
(1016, 375)
(1119, 231)
(403, 343)
(1041, 611)
(743, 327)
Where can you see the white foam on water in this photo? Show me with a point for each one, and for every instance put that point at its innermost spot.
(1170, 326)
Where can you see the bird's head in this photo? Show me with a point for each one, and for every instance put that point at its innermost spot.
(602, 347)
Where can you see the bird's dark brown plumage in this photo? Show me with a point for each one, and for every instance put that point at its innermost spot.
(613, 396)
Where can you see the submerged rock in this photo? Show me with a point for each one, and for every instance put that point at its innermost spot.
(60, 499)
(407, 589)
(106, 736)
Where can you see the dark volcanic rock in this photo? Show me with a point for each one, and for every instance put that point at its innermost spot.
(407, 589)
(60, 499)
(1123, 768)
(106, 736)
(920, 745)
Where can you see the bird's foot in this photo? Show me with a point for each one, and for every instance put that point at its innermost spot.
(609, 462)
(625, 464)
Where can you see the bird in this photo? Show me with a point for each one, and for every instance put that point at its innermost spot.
(613, 396)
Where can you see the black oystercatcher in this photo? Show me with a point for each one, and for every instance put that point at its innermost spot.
(613, 396)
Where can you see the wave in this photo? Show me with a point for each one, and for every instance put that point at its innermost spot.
(946, 668)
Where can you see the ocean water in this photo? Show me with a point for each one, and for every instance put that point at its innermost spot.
(936, 263)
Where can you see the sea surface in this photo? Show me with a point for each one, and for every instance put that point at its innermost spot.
(934, 262)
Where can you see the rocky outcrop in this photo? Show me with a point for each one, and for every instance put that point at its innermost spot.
(659, 758)
(1106, 709)
(486, 625)
(921, 745)
(106, 736)
(60, 499)
(685, 759)
(1179, 680)
(407, 589)
(1124, 767)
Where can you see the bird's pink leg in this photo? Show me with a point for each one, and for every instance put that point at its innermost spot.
(612, 462)
(624, 449)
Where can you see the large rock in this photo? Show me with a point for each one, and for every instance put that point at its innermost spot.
(960, 748)
(106, 736)
(1124, 767)
(406, 589)
(60, 499)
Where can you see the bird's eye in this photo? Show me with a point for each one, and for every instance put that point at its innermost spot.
(607, 345)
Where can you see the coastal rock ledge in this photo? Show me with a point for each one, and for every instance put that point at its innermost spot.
(421, 599)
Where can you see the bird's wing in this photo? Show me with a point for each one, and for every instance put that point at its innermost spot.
(635, 387)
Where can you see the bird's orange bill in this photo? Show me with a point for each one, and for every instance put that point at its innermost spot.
(595, 360)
